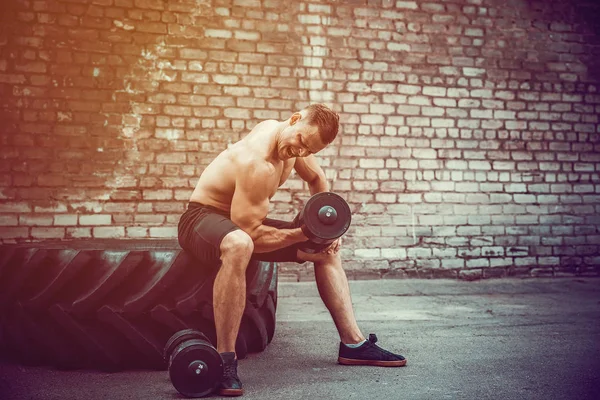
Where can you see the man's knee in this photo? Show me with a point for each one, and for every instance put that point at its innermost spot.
(329, 259)
(320, 258)
(237, 244)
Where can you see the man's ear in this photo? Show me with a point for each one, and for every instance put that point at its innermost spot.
(295, 118)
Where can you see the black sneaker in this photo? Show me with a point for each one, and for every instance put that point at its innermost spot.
(231, 384)
(369, 354)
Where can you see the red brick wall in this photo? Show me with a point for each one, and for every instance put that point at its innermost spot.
(469, 143)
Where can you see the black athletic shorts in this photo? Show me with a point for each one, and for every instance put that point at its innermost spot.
(202, 228)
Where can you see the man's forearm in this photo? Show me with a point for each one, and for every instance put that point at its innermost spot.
(318, 185)
(267, 238)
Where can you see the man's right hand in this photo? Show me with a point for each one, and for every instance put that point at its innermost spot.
(305, 233)
(302, 234)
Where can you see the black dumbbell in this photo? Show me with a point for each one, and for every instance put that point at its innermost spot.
(325, 217)
(195, 366)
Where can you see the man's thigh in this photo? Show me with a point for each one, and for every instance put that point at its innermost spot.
(201, 231)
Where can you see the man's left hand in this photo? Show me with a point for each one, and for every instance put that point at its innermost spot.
(333, 247)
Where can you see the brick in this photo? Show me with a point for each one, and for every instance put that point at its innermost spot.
(48, 233)
(157, 194)
(453, 263)
(237, 113)
(149, 219)
(419, 100)
(410, 198)
(78, 233)
(136, 232)
(108, 232)
(35, 220)
(151, 27)
(419, 252)
(467, 187)
(410, 5)
(218, 33)
(8, 220)
(96, 219)
(418, 121)
(395, 254)
(151, 4)
(14, 232)
(163, 232)
(408, 110)
(476, 113)
(477, 263)
(457, 164)
(19, 207)
(473, 72)
(367, 253)
(193, 54)
(193, 77)
(467, 147)
(381, 109)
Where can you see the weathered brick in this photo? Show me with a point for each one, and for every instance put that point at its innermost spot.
(35, 220)
(163, 232)
(96, 219)
(367, 253)
(436, 142)
(48, 233)
(152, 4)
(453, 263)
(411, 5)
(108, 232)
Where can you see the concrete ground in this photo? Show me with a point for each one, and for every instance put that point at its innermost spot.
(493, 339)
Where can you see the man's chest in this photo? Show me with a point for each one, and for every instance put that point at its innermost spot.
(286, 170)
(281, 174)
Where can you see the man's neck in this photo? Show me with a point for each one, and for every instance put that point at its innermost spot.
(274, 140)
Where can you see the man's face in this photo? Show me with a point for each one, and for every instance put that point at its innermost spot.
(300, 138)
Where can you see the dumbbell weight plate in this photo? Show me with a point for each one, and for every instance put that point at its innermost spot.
(195, 368)
(180, 337)
(326, 216)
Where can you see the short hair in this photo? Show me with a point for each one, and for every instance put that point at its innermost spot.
(325, 119)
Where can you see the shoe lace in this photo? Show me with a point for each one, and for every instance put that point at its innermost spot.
(230, 369)
(373, 340)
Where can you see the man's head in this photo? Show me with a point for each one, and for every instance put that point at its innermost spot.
(308, 131)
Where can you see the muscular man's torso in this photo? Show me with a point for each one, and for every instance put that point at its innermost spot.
(217, 183)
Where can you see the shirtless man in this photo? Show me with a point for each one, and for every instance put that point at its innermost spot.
(226, 224)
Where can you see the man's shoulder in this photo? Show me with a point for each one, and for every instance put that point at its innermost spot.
(253, 163)
(266, 125)
(268, 122)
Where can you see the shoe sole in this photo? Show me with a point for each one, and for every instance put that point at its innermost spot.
(231, 392)
(376, 363)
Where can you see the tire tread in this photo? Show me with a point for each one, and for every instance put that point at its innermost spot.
(114, 308)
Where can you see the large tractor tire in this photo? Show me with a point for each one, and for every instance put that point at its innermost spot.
(112, 305)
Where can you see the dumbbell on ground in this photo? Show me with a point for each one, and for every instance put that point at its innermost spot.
(195, 366)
